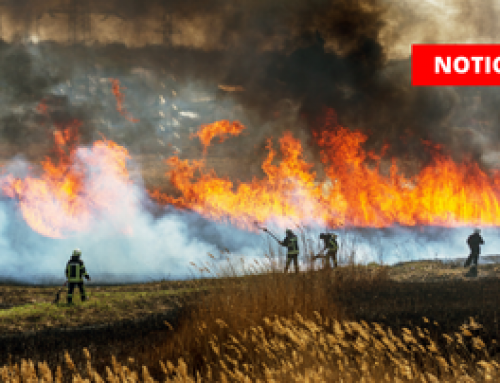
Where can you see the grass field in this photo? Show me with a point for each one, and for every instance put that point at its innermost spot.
(420, 321)
(103, 307)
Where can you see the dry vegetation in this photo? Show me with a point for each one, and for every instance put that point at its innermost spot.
(437, 271)
(297, 350)
(285, 328)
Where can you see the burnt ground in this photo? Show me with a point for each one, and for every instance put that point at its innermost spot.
(449, 303)
(442, 292)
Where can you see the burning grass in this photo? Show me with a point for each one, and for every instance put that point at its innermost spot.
(67, 196)
(442, 193)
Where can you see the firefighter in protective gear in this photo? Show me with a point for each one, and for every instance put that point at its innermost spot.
(292, 245)
(474, 241)
(331, 249)
(75, 271)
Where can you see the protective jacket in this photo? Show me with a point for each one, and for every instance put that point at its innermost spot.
(331, 243)
(474, 241)
(291, 243)
(75, 270)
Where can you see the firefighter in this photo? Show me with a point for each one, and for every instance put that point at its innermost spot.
(292, 245)
(75, 271)
(474, 241)
(331, 248)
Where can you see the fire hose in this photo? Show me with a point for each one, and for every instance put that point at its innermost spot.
(265, 229)
(320, 255)
(317, 256)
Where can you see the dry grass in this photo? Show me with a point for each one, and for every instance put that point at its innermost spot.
(296, 350)
(437, 271)
(272, 327)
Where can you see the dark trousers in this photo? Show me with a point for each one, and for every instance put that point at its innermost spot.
(331, 254)
(71, 288)
(473, 258)
(289, 259)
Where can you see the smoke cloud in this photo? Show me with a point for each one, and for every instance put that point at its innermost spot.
(122, 239)
(285, 61)
(293, 59)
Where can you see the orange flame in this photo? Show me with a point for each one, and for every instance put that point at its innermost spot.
(120, 98)
(42, 107)
(60, 201)
(355, 192)
(288, 189)
(219, 128)
(70, 193)
(444, 193)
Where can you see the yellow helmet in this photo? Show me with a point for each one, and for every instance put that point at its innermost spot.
(77, 253)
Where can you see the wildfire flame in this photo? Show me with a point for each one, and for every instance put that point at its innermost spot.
(120, 98)
(219, 128)
(355, 193)
(72, 190)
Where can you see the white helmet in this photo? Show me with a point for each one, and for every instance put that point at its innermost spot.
(77, 252)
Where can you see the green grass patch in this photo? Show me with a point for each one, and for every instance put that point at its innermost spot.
(102, 307)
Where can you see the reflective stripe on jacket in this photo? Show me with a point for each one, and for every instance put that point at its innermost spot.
(332, 244)
(75, 271)
(292, 246)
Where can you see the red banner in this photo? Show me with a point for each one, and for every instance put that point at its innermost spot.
(455, 64)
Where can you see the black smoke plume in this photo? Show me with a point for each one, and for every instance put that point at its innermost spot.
(293, 58)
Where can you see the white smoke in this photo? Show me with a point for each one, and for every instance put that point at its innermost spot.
(122, 239)
(394, 244)
(129, 243)
(154, 248)
(402, 244)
